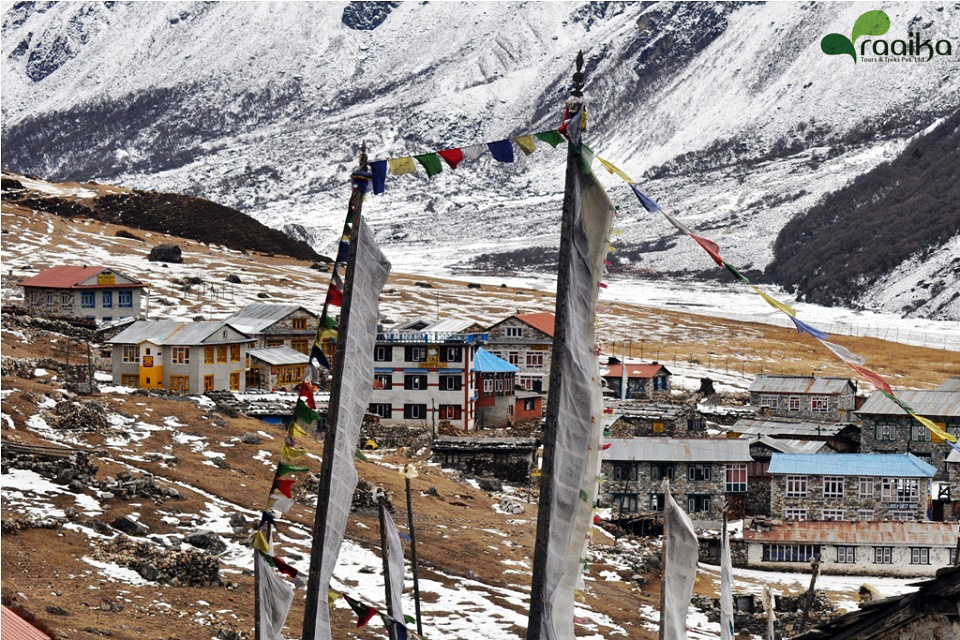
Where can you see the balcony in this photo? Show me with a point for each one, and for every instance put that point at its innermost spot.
(430, 337)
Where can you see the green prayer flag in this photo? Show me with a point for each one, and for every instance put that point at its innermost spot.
(326, 322)
(430, 162)
(736, 273)
(409, 619)
(305, 415)
(359, 456)
(552, 138)
(586, 155)
(283, 469)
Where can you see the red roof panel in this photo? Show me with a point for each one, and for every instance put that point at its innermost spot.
(543, 321)
(13, 627)
(862, 533)
(70, 276)
(646, 371)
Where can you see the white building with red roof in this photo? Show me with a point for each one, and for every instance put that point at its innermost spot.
(95, 293)
(525, 340)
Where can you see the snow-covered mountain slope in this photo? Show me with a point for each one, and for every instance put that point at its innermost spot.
(733, 112)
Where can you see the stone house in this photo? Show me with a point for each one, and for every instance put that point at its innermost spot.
(643, 380)
(422, 377)
(704, 474)
(276, 367)
(762, 450)
(525, 340)
(656, 419)
(840, 436)
(850, 486)
(277, 325)
(96, 293)
(886, 428)
(856, 548)
(188, 357)
(510, 459)
(806, 397)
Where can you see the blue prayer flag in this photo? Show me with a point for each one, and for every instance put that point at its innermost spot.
(647, 203)
(501, 150)
(343, 252)
(379, 171)
(804, 327)
(317, 354)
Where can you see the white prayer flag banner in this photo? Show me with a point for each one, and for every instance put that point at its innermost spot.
(394, 554)
(726, 587)
(275, 597)
(680, 546)
(369, 275)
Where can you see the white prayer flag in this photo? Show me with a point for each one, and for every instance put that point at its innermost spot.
(394, 554)
(726, 587)
(275, 597)
(680, 552)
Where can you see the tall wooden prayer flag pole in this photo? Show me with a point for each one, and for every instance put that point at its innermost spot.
(354, 210)
(534, 624)
(410, 472)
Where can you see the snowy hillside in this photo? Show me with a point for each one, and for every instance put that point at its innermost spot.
(742, 119)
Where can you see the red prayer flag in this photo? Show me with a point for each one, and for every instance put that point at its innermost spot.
(710, 247)
(607, 446)
(284, 486)
(452, 157)
(872, 378)
(335, 296)
(306, 392)
(284, 568)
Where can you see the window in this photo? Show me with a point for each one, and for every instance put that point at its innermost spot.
(180, 384)
(834, 515)
(383, 353)
(790, 552)
(51, 298)
(450, 383)
(208, 355)
(626, 502)
(451, 412)
(107, 299)
(451, 458)
(272, 343)
(499, 385)
(846, 555)
(529, 404)
(832, 486)
(180, 355)
(886, 432)
(487, 385)
(883, 555)
(695, 472)
(234, 353)
(866, 515)
(919, 433)
(130, 380)
(657, 502)
(131, 353)
(794, 403)
(514, 332)
(535, 359)
(452, 354)
(952, 556)
(415, 354)
(513, 358)
(299, 324)
(661, 471)
(767, 400)
(207, 383)
(796, 486)
(866, 487)
(383, 381)
(698, 503)
(88, 300)
(415, 411)
(381, 409)
(300, 344)
(900, 489)
(902, 516)
(624, 471)
(125, 298)
(794, 514)
(66, 299)
(736, 478)
(414, 382)
(235, 381)
(919, 555)
(818, 403)
(221, 353)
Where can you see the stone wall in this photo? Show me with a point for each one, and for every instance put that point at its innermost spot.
(814, 502)
(839, 406)
(509, 465)
(934, 453)
(391, 436)
(680, 486)
(864, 565)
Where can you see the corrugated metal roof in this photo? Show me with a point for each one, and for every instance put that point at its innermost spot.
(170, 332)
(256, 317)
(677, 450)
(804, 446)
(69, 276)
(13, 627)
(798, 384)
(645, 371)
(859, 533)
(890, 465)
(279, 355)
(450, 442)
(780, 428)
(651, 410)
(950, 384)
(486, 362)
(929, 403)
(451, 325)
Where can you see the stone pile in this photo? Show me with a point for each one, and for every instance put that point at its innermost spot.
(15, 525)
(393, 436)
(73, 470)
(88, 416)
(639, 559)
(127, 486)
(788, 609)
(188, 567)
(364, 497)
(26, 368)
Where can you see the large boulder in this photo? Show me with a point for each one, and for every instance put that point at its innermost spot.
(208, 541)
(166, 253)
(129, 526)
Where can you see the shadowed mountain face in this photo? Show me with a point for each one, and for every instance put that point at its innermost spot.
(729, 114)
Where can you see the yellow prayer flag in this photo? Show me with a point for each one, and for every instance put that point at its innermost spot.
(288, 453)
(932, 426)
(611, 249)
(295, 431)
(332, 596)
(609, 166)
(400, 166)
(776, 304)
(261, 543)
(527, 143)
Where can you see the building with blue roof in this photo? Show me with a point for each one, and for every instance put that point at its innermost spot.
(496, 395)
(850, 486)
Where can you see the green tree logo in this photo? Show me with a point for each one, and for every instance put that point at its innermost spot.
(872, 23)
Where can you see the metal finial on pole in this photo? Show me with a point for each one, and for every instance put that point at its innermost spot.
(578, 76)
(363, 156)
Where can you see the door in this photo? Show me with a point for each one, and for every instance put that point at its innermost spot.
(207, 383)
